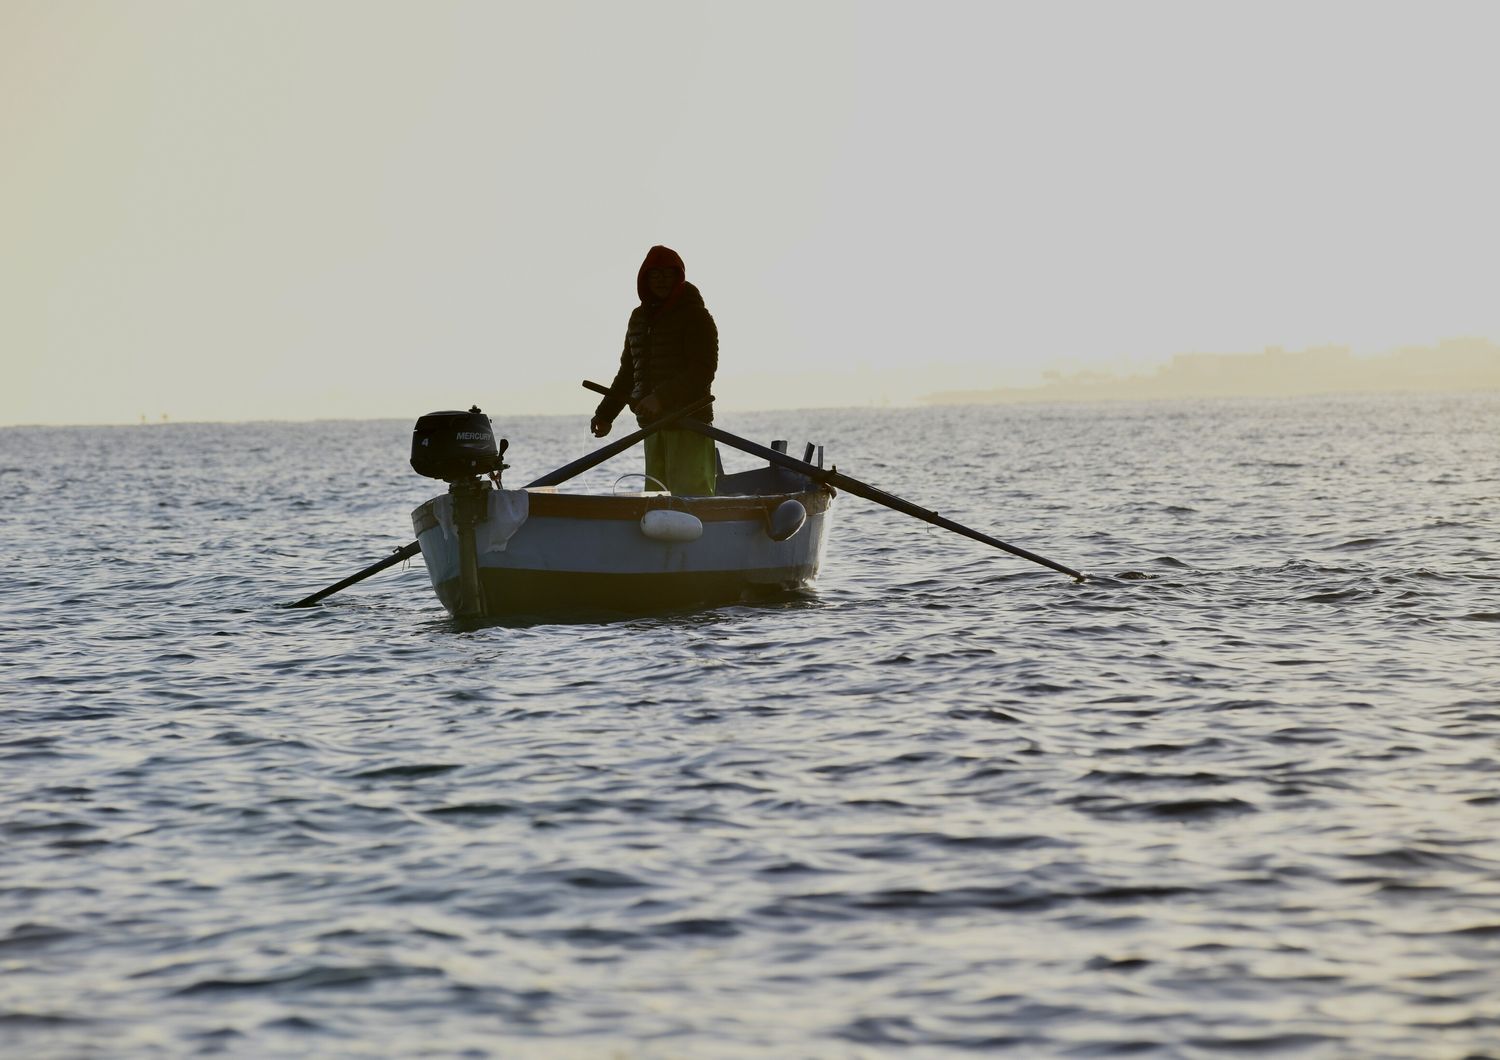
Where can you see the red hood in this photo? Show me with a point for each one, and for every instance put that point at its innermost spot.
(660, 258)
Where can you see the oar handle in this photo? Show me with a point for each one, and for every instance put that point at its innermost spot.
(598, 456)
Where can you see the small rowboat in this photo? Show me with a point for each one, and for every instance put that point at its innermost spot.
(494, 552)
(500, 552)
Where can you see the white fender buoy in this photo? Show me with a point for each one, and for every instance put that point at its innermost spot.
(786, 520)
(668, 524)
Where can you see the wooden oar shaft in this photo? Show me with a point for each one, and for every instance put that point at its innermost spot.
(404, 552)
(871, 493)
(860, 489)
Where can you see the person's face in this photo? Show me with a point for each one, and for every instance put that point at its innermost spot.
(660, 282)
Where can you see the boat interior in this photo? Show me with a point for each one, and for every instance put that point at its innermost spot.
(768, 480)
(762, 481)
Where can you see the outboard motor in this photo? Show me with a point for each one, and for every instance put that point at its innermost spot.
(456, 446)
(459, 447)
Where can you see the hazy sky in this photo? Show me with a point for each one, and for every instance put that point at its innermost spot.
(240, 210)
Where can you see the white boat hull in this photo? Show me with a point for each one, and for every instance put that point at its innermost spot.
(544, 552)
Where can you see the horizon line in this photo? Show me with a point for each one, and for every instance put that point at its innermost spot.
(1024, 396)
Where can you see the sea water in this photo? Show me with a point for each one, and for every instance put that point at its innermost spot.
(1239, 792)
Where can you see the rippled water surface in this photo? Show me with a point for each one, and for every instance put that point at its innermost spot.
(1237, 794)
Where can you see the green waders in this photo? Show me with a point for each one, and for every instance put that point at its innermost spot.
(683, 461)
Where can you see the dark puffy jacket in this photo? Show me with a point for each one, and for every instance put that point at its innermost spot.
(671, 347)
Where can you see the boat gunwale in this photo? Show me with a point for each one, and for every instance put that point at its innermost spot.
(709, 509)
(546, 503)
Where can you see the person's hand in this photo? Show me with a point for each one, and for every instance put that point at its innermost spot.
(600, 426)
(649, 407)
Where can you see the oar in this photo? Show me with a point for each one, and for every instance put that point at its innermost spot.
(859, 489)
(404, 552)
(553, 478)
(598, 456)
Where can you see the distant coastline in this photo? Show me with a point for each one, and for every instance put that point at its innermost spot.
(1454, 364)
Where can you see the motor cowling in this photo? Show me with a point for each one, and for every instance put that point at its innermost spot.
(455, 446)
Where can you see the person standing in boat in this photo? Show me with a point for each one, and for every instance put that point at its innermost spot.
(670, 356)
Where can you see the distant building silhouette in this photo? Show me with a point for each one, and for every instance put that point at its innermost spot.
(1453, 365)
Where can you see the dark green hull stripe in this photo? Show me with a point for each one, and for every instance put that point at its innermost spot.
(513, 592)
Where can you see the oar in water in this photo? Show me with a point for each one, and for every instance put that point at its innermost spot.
(404, 552)
(858, 488)
(553, 478)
